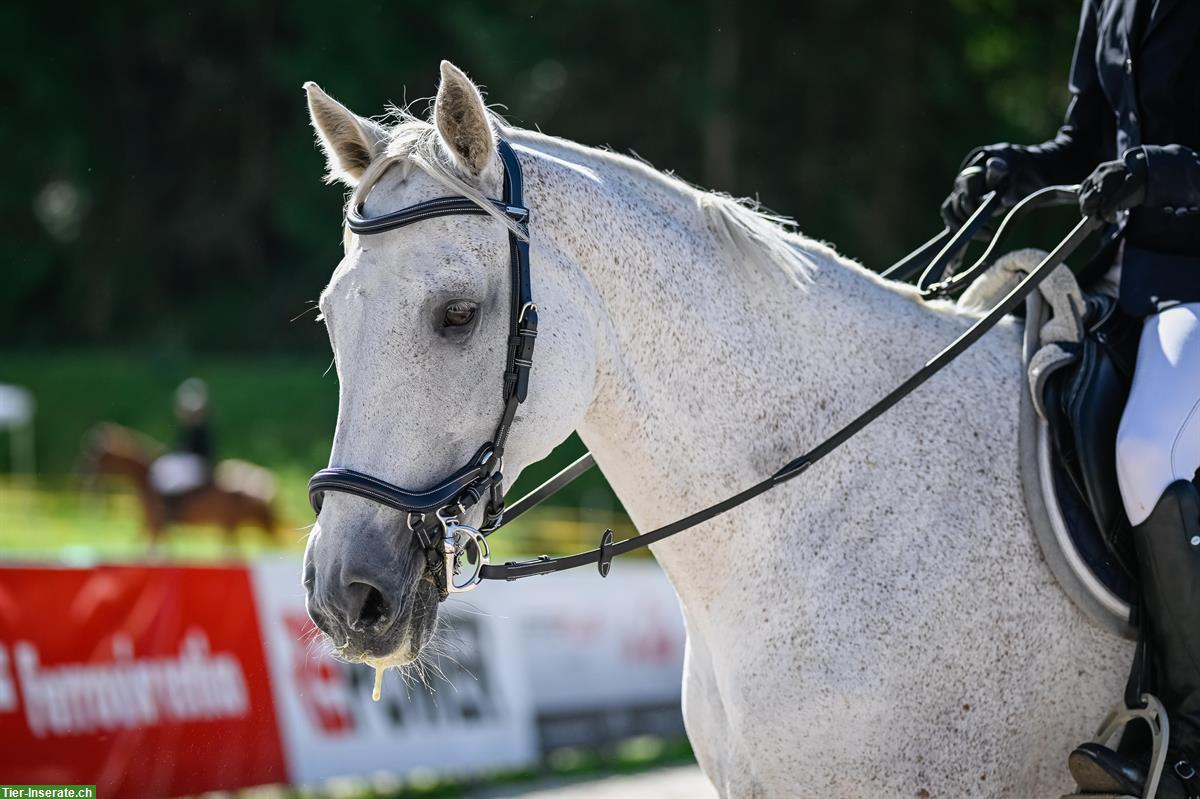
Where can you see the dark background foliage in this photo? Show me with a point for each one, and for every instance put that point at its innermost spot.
(162, 191)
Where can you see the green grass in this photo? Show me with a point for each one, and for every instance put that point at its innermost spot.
(632, 756)
(73, 525)
(277, 412)
(66, 522)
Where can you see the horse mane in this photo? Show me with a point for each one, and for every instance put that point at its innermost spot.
(741, 227)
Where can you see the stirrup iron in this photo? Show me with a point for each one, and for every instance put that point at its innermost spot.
(1155, 716)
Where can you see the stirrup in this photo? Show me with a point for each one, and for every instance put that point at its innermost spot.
(1155, 715)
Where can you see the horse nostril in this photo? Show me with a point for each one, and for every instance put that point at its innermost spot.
(372, 607)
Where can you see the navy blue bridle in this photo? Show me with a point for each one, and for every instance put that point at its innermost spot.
(439, 509)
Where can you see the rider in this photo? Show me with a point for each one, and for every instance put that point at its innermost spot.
(190, 466)
(1132, 137)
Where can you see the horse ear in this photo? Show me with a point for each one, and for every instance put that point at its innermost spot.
(350, 142)
(462, 121)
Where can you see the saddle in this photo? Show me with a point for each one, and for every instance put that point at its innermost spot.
(1079, 353)
(1082, 401)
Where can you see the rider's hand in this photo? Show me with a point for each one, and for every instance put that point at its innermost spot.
(1114, 186)
(986, 174)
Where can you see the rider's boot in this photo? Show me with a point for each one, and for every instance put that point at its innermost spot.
(1168, 550)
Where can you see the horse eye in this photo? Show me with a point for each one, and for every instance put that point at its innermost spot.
(459, 314)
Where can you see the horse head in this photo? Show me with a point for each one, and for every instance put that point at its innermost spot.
(419, 322)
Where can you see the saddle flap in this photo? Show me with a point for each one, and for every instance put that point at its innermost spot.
(1077, 552)
(1090, 400)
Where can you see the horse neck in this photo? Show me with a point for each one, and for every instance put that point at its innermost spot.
(129, 465)
(712, 375)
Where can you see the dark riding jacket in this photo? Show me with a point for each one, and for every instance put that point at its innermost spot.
(1135, 83)
(195, 437)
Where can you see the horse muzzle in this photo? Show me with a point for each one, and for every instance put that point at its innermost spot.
(371, 601)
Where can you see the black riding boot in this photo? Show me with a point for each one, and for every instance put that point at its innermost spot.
(1168, 551)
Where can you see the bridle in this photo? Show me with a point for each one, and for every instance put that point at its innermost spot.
(435, 515)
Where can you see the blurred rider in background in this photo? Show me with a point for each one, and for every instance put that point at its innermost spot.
(190, 467)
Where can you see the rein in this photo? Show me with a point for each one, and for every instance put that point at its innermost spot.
(449, 500)
(602, 555)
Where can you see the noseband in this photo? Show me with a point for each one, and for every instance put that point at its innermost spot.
(434, 515)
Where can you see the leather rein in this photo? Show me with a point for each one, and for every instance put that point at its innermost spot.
(434, 515)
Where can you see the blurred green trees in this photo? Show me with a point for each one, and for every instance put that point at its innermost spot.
(162, 190)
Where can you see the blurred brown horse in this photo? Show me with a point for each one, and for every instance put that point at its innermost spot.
(239, 494)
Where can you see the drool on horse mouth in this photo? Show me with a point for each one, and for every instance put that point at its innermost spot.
(404, 653)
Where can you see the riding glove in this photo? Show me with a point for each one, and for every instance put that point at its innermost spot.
(983, 172)
(1114, 186)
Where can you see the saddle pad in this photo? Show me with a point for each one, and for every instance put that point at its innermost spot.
(1061, 521)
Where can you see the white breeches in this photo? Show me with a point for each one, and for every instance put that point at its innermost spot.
(177, 473)
(1159, 438)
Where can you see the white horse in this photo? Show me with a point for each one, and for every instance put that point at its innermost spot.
(883, 626)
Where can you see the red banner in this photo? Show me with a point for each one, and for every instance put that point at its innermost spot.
(145, 681)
